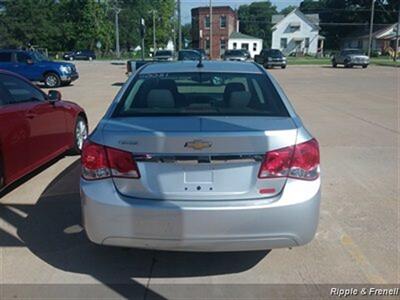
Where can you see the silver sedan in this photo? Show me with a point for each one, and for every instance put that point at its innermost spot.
(206, 156)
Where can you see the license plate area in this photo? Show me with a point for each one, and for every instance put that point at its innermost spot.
(198, 174)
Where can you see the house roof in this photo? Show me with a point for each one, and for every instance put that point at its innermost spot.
(378, 32)
(215, 8)
(239, 35)
(311, 19)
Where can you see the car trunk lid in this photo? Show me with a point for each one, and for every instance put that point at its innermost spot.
(199, 158)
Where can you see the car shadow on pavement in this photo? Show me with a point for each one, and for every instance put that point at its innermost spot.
(51, 230)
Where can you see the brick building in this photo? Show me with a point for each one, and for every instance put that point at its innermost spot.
(224, 23)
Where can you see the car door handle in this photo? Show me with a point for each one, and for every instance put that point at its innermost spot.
(30, 115)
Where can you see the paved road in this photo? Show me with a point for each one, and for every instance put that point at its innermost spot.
(355, 115)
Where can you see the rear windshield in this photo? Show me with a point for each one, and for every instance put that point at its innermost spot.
(163, 53)
(182, 94)
(274, 53)
(235, 52)
(353, 52)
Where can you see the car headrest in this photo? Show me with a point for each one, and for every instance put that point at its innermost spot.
(168, 84)
(232, 87)
(239, 99)
(160, 98)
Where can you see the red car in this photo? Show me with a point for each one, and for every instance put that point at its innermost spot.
(34, 127)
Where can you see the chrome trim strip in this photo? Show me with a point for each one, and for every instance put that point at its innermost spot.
(192, 159)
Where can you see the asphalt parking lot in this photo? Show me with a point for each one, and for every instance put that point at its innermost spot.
(354, 113)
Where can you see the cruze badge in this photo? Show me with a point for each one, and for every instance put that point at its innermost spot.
(198, 145)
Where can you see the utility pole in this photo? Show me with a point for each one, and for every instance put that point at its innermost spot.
(117, 10)
(179, 26)
(397, 35)
(174, 30)
(371, 27)
(211, 29)
(142, 34)
(154, 32)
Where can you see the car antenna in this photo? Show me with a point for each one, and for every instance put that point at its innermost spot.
(200, 64)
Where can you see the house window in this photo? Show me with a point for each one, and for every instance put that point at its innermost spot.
(294, 26)
(307, 43)
(207, 44)
(234, 46)
(207, 21)
(222, 46)
(222, 21)
(255, 47)
(283, 43)
(245, 46)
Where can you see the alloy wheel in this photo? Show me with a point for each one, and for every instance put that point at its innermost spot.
(81, 133)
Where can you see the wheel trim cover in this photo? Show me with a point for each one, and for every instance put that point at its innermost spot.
(81, 134)
(51, 80)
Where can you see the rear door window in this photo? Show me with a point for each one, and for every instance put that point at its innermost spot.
(182, 94)
(5, 57)
(23, 57)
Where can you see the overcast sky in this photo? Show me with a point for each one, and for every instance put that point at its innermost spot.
(187, 5)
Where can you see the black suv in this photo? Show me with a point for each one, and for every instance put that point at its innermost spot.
(270, 58)
(80, 55)
(237, 55)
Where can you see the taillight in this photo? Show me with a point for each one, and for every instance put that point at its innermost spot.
(99, 162)
(122, 164)
(300, 161)
(305, 163)
(276, 163)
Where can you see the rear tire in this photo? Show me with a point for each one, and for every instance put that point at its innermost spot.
(283, 67)
(52, 80)
(80, 134)
(1, 177)
(365, 66)
(334, 64)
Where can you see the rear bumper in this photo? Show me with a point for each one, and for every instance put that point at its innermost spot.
(275, 63)
(288, 220)
(359, 63)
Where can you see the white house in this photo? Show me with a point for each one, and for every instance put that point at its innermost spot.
(297, 33)
(239, 40)
(382, 39)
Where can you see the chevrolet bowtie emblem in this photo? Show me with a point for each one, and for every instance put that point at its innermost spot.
(198, 145)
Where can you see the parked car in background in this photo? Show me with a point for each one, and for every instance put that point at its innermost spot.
(37, 67)
(201, 157)
(270, 58)
(237, 55)
(80, 55)
(350, 58)
(164, 55)
(35, 127)
(189, 55)
(133, 65)
(202, 52)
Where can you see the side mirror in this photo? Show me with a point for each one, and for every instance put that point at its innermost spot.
(54, 96)
(30, 61)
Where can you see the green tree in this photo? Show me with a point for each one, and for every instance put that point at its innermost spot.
(340, 18)
(93, 26)
(187, 33)
(287, 10)
(255, 20)
(29, 22)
